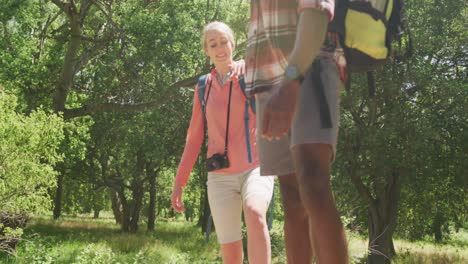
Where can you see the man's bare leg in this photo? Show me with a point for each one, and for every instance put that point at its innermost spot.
(296, 222)
(313, 162)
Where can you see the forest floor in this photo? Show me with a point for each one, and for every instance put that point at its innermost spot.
(86, 240)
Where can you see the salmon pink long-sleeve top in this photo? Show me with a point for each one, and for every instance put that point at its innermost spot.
(216, 115)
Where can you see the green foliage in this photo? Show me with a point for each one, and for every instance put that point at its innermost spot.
(136, 50)
(415, 124)
(85, 241)
(139, 49)
(433, 198)
(29, 147)
(81, 240)
(28, 150)
(80, 194)
(29, 58)
(95, 254)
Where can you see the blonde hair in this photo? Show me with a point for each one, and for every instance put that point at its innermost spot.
(220, 27)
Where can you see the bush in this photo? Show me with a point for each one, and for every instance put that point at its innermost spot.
(11, 229)
(28, 152)
(95, 254)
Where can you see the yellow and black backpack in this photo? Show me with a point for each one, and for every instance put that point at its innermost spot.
(367, 29)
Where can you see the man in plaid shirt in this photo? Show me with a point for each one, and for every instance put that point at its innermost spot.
(294, 68)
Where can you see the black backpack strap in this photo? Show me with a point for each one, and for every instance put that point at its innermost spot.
(324, 109)
(337, 25)
(226, 138)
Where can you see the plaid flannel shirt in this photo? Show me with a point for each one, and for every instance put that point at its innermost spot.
(271, 38)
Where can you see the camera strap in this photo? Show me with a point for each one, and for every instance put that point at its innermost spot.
(227, 120)
(204, 104)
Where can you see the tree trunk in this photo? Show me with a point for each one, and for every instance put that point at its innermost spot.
(382, 204)
(383, 220)
(152, 174)
(65, 82)
(138, 193)
(125, 211)
(437, 227)
(97, 206)
(205, 211)
(58, 196)
(96, 213)
(381, 248)
(116, 207)
(204, 205)
(131, 209)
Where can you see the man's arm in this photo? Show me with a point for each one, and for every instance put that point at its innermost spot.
(280, 109)
(311, 31)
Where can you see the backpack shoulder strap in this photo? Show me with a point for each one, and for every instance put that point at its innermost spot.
(201, 90)
(251, 99)
(249, 102)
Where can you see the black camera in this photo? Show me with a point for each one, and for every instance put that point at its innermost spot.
(217, 162)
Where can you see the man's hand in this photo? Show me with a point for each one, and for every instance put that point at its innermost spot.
(176, 198)
(280, 109)
(237, 69)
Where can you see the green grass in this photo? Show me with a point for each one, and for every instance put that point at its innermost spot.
(430, 253)
(86, 240)
(454, 251)
(82, 240)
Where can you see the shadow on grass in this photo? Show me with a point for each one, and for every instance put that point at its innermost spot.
(180, 236)
(79, 239)
(184, 236)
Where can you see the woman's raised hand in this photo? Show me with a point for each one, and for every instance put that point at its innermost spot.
(237, 69)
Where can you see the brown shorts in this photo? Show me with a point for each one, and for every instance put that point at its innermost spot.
(306, 128)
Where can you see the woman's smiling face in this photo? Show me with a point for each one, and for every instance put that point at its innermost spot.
(218, 48)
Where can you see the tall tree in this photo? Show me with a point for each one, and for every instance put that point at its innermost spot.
(402, 148)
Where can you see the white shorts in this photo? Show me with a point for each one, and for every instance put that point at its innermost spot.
(227, 193)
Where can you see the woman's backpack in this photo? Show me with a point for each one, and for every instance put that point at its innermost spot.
(202, 86)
